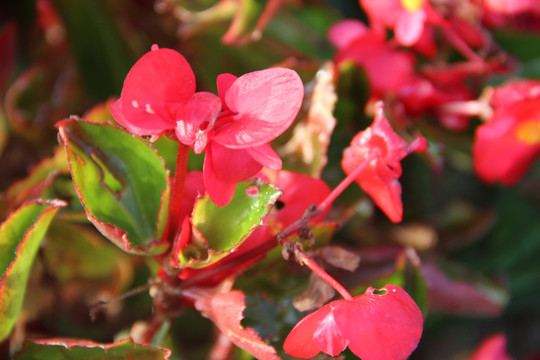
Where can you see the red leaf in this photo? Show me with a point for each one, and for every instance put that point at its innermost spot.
(378, 325)
(225, 310)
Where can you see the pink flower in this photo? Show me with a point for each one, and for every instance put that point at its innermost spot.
(492, 348)
(406, 17)
(386, 67)
(509, 143)
(380, 178)
(380, 324)
(258, 107)
(235, 129)
(156, 87)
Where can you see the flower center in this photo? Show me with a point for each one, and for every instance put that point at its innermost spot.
(528, 132)
(412, 5)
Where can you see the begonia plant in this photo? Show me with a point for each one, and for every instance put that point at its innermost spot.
(241, 179)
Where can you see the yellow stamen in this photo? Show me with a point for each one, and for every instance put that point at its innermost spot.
(529, 132)
(412, 5)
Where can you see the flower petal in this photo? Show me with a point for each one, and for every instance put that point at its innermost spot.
(155, 87)
(232, 165)
(381, 326)
(196, 119)
(264, 104)
(266, 156)
(314, 333)
(220, 192)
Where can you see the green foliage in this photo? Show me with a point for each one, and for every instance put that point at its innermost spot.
(20, 237)
(121, 181)
(221, 230)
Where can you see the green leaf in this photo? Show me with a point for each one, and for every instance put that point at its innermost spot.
(67, 349)
(122, 183)
(218, 231)
(20, 237)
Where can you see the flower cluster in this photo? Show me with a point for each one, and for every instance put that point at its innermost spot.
(234, 128)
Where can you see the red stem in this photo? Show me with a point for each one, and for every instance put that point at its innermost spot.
(313, 266)
(323, 206)
(177, 192)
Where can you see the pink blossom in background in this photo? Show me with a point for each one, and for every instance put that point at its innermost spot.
(380, 178)
(508, 144)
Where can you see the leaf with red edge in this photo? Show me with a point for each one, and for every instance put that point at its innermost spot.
(225, 310)
(40, 177)
(122, 183)
(377, 325)
(20, 237)
(219, 231)
(264, 104)
(75, 349)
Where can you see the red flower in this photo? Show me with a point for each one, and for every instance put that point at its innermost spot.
(257, 108)
(406, 17)
(380, 324)
(159, 83)
(492, 348)
(235, 129)
(509, 143)
(380, 178)
(386, 67)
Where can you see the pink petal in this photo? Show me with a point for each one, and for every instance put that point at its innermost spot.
(220, 192)
(196, 119)
(381, 326)
(264, 103)
(492, 348)
(266, 156)
(299, 192)
(381, 183)
(309, 336)
(232, 165)
(224, 82)
(344, 32)
(409, 27)
(155, 87)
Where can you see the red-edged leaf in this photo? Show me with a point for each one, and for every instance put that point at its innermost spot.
(264, 103)
(75, 349)
(225, 310)
(121, 181)
(20, 236)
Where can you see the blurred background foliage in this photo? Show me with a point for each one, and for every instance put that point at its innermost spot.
(64, 57)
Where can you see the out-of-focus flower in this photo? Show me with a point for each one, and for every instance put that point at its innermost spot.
(407, 18)
(386, 149)
(380, 324)
(508, 144)
(386, 67)
(492, 348)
